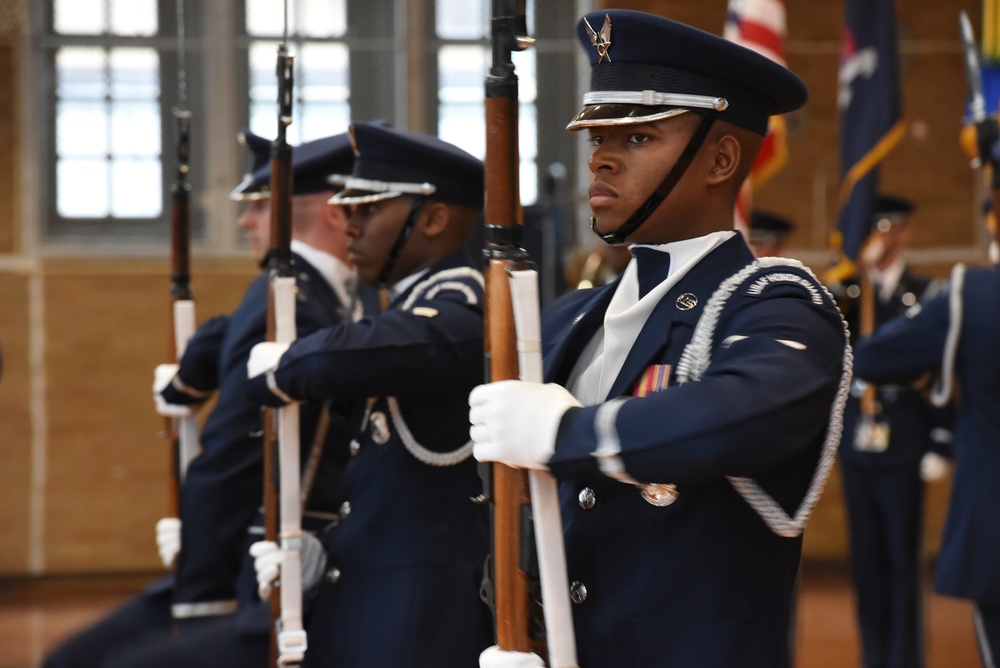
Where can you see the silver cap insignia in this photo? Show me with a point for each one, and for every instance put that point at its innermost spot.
(601, 42)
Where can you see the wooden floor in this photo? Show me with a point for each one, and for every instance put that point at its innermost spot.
(35, 615)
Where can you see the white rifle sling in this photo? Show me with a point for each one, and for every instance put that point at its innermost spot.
(697, 356)
(442, 280)
(544, 494)
(291, 636)
(186, 428)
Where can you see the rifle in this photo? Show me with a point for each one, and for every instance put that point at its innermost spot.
(513, 350)
(508, 489)
(183, 431)
(281, 426)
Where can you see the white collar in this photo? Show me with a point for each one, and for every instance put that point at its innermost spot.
(601, 361)
(336, 273)
(684, 253)
(403, 284)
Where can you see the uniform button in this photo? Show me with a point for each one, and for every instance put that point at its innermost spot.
(587, 498)
(578, 592)
(345, 509)
(333, 575)
(355, 447)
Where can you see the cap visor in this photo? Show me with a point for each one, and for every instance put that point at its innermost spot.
(597, 115)
(360, 196)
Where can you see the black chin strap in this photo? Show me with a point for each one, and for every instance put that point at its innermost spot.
(397, 247)
(618, 237)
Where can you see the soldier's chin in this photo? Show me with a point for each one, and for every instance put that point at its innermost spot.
(368, 277)
(993, 252)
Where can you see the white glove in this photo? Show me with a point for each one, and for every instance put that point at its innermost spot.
(264, 357)
(933, 467)
(163, 374)
(267, 563)
(168, 540)
(872, 252)
(268, 557)
(494, 657)
(516, 422)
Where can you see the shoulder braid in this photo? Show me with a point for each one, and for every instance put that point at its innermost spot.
(696, 358)
(448, 279)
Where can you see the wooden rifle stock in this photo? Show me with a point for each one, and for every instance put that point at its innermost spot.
(503, 216)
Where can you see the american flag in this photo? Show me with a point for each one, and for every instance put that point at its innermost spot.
(760, 25)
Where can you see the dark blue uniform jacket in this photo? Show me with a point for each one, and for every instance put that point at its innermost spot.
(910, 417)
(914, 344)
(405, 563)
(223, 489)
(702, 582)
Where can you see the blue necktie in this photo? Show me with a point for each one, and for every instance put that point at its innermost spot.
(652, 267)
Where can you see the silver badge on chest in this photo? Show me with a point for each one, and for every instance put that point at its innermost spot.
(687, 301)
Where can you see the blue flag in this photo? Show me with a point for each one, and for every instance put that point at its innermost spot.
(870, 109)
(990, 56)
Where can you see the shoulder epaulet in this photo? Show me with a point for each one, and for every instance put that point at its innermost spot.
(457, 279)
(785, 274)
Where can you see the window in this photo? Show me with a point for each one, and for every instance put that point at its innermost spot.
(109, 75)
(107, 110)
(463, 59)
(321, 76)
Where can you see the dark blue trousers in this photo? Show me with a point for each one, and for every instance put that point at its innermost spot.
(885, 509)
(146, 614)
(239, 640)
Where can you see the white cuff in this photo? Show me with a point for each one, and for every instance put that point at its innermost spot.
(265, 357)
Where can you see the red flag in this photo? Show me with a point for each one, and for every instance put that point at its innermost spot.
(759, 25)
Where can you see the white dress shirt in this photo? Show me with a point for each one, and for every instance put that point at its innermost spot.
(601, 361)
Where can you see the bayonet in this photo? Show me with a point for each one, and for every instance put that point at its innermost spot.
(972, 72)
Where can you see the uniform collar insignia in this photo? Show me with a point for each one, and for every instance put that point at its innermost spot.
(601, 42)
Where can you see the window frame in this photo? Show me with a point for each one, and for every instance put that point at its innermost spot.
(102, 230)
(392, 75)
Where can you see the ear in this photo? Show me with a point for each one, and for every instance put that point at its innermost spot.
(434, 219)
(335, 216)
(726, 160)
